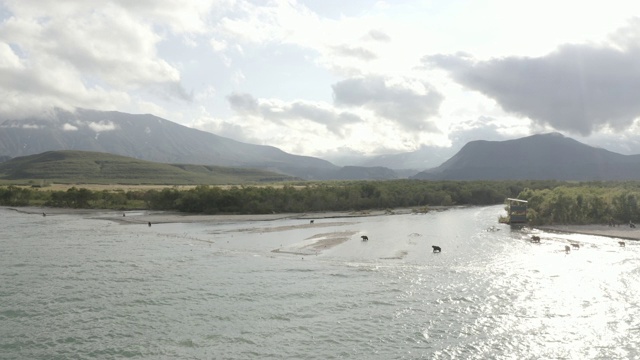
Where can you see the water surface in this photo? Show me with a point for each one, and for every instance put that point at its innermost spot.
(78, 286)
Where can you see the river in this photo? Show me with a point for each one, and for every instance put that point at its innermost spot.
(77, 286)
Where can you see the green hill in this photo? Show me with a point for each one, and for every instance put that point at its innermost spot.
(101, 168)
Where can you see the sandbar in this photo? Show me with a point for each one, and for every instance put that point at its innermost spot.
(316, 243)
(160, 217)
(622, 231)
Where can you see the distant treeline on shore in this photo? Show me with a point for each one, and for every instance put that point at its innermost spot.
(549, 201)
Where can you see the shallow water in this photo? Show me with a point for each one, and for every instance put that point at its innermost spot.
(83, 287)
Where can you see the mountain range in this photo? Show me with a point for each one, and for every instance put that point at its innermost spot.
(148, 137)
(549, 156)
(151, 138)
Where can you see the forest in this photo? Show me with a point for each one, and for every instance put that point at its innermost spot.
(260, 199)
(584, 203)
(549, 202)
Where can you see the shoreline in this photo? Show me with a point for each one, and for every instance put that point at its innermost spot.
(164, 217)
(314, 245)
(620, 232)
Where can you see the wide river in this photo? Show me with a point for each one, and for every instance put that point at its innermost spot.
(85, 287)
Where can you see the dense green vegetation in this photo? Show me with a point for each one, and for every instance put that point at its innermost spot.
(311, 197)
(584, 203)
(332, 196)
(77, 198)
(101, 168)
(550, 202)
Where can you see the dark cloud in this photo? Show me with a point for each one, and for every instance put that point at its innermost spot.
(169, 91)
(243, 103)
(357, 52)
(577, 88)
(401, 104)
(333, 120)
(378, 36)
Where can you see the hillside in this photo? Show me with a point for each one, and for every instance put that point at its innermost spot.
(538, 157)
(101, 168)
(147, 137)
(151, 138)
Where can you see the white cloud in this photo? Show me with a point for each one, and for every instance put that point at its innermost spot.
(69, 127)
(318, 76)
(312, 128)
(75, 54)
(342, 45)
(356, 52)
(218, 45)
(283, 113)
(407, 102)
(205, 94)
(101, 126)
(179, 16)
(8, 58)
(21, 125)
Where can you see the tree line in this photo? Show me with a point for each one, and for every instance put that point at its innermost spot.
(590, 203)
(308, 197)
(549, 202)
(77, 198)
(338, 196)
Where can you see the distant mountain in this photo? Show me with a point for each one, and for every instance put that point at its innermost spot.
(404, 164)
(537, 157)
(371, 173)
(423, 158)
(151, 138)
(70, 166)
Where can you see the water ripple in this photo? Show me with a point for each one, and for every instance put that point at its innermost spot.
(71, 292)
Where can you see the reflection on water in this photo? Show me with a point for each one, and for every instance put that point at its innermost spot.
(90, 288)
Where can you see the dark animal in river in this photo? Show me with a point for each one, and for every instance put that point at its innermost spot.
(567, 248)
(43, 214)
(622, 243)
(149, 223)
(575, 246)
(364, 238)
(311, 222)
(535, 239)
(631, 225)
(436, 248)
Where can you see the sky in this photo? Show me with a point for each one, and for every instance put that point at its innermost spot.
(332, 78)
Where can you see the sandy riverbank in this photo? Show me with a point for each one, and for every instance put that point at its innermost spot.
(321, 227)
(313, 245)
(161, 217)
(622, 232)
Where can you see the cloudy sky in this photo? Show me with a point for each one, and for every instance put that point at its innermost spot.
(327, 77)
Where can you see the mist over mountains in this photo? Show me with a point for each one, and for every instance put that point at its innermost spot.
(151, 138)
